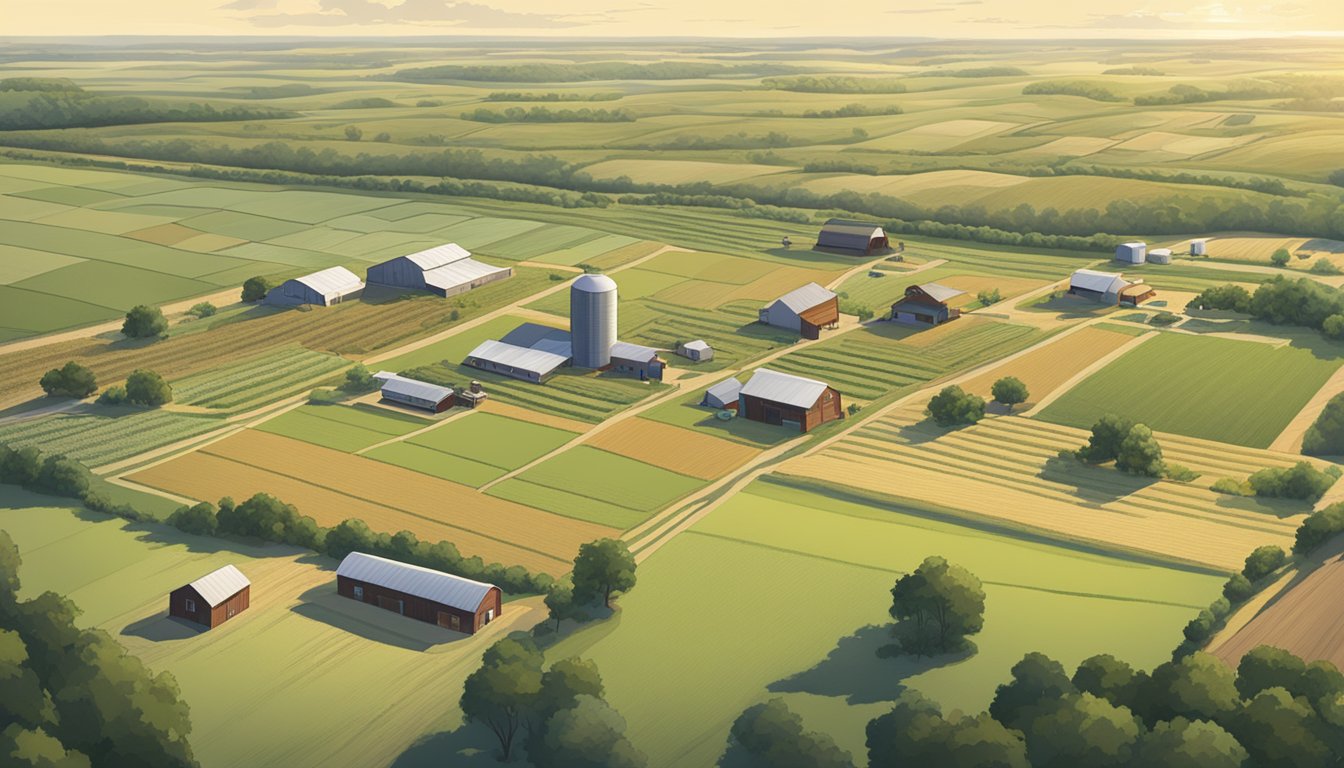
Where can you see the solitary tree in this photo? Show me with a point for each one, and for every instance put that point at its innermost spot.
(1281, 257)
(359, 380)
(603, 567)
(353, 133)
(255, 288)
(1010, 391)
(954, 406)
(504, 690)
(1139, 453)
(70, 380)
(1107, 435)
(936, 607)
(144, 321)
(145, 387)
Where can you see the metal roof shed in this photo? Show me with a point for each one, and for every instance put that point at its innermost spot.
(518, 362)
(420, 394)
(723, 395)
(443, 588)
(855, 236)
(784, 388)
(219, 585)
(324, 288)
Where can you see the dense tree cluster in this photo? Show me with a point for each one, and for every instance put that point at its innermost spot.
(144, 322)
(547, 115)
(1091, 91)
(1131, 446)
(60, 108)
(1280, 300)
(1319, 527)
(954, 406)
(770, 735)
(359, 380)
(70, 380)
(584, 72)
(551, 96)
(1326, 436)
(936, 608)
(145, 387)
(1300, 481)
(834, 84)
(995, 71)
(855, 110)
(72, 697)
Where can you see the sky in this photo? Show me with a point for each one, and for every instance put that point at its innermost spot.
(699, 18)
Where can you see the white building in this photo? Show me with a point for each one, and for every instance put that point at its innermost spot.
(330, 286)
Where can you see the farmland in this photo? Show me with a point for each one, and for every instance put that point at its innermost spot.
(1048, 367)
(104, 435)
(680, 450)
(1297, 620)
(1239, 392)
(349, 429)
(273, 375)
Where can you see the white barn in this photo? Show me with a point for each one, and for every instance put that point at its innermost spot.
(330, 286)
(413, 392)
(1132, 253)
(528, 364)
(1103, 287)
(447, 270)
(697, 350)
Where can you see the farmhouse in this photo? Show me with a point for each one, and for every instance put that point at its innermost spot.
(1132, 253)
(697, 351)
(636, 360)
(526, 363)
(806, 310)
(723, 395)
(1103, 287)
(791, 401)
(330, 286)
(451, 602)
(852, 237)
(926, 305)
(212, 599)
(417, 394)
(447, 270)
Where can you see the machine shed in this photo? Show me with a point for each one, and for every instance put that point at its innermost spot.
(859, 237)
(447, 270)
(784, 399)
(451, 602)
(415, 393)
(806, 309)
(330, 286)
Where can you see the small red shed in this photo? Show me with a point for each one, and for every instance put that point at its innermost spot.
(212, 599)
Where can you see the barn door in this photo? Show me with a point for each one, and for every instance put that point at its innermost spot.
(391, 604)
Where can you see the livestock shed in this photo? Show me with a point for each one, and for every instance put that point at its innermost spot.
(526, 363)
(926, 305)
(212, 599)
(636, 360)
(697, 351)
(1132, 253)
(852, 237)
(806, 310)
(447, 270)
(415, 393)
(1103, 287)
(1159, 256)
(330, 286)
(451, 602)
(723, 395)
(786, 400)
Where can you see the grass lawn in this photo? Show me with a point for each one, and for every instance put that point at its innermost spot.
(812, 576)
(618, 480)
(1220, 389)
(345, 428)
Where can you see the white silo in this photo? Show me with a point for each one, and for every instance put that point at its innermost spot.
(592, 320)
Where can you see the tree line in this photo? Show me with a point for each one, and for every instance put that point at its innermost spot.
(546, 115)
(551, 96)
(43, 110)
(1282, 301)
(834, 84)
(577, 73)
(1091, 91)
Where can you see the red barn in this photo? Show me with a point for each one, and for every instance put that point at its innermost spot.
(212, 599)
(451, 602)
(791, 401)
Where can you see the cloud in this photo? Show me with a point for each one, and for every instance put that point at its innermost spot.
(249, 5)
(335, 13)
(904, 11)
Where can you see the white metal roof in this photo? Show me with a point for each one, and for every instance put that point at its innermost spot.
(534, 360)
(333, 281)
(217, 586)
(802, 299)
(562, 347)
(594, 283)
(405, 387)
(699, 345)
(443, 588)
(430, 258)
(784, 388)
(460, 272)
(725, 391)
(627, 351)
(1101, 282)
(940, 292)
(1135, 244)
(1160, 252)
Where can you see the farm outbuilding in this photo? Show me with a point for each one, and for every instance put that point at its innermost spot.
(1132, 253)
(447, 270)
(212, 599)
(526, 363)
(636, 360)
(1103, 287)
(786, 400)
(852, 237)
(417, 394)
(806, 310)
(1136, 293)
(723, 395)
(697, 350)
(1199, 247)
(330, 286)
(592, 320)
(1159, 256)
(926, 305)
(451, 602)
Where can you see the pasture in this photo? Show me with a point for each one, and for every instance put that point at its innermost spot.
(611, 478)
(683, 451)
(344, 428)
(1239, 392)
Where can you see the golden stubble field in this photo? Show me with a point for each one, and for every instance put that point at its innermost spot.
(679, 450)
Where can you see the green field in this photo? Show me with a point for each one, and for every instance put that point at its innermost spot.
(273, 375)
(793, 589)
(1234, 391)
(607, 477)
(98, 435)
(495, 440)
(568, 504)
(344, 428)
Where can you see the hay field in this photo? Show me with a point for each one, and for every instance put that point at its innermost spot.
(1045, 369)
(1303, 620)
(266, 377)
(495, 440)
(1007, 469)
(680, 450)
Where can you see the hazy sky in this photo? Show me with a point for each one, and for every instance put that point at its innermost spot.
(726, 18)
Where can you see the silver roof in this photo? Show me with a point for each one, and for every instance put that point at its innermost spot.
(459, 272)
(431, 258)
(848, 227)
(726, 390)
(534, 360)
(217, 586)
(1101, 282)
(784, 388)
(1160, 252)
(1134, 244)
(627, 351)
(802, 299)
(443, 588)
(557, 346)
(405, 387)
(334, 281)
(594, 283)
(699, 345)
(940, 292)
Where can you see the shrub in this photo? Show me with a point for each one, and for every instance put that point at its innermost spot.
(145, 387)
(1165, 318)
(255, 288)
(1301, 481)
(114, 395)
(144, 322)
(1233, 487)
(204, 309)
(1180, 473)
(70, 380)
(1238, 588)
(358, 381)
(987, 297)
(1139, 453)
(954, 406)
(353, 134)
(1325, 267)
(1264, 561)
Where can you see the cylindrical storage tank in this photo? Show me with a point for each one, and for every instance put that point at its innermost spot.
(592, 320)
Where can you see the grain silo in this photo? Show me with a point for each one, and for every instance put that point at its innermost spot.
(592, 320)
(1199, 247)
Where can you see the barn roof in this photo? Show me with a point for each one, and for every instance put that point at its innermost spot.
(725, 391)
(699, 345)
(627, 351)
(217, 586)
(1101, 282)
(940, 292)
(439, 255)
(421, 390)
(849, 227)
(459, 272)
(1160, 252)
(808, 296)
(332, 281)
(443, 588)
(536, 361)
(530, 334)
(784, 388)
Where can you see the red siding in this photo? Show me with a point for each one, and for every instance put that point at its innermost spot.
(827, 408)
(421, 609)
(203, 613)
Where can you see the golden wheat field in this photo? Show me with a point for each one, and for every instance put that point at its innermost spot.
(1045, 369)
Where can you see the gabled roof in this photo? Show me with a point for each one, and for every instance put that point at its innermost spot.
(699, 345)
(458, 272)
(627, 351)
(421, 390)
(443, 588)
(802, 299)
(529, 334)
(725, 391)
(522, 358)
(940, 292)
(332, 281)
(217, 586)
(784, 388)
(1101, 282)
(850, 227)
(437, 256)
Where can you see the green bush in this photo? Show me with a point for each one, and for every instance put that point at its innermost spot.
(144, 322)
(1264, 561)
(113, 395)
(203, 309)
(953, 406)
(1301, 481)
(1238, 588)
(1232, 487)
(1319, 527)
(145, 387)
(255, 289)
(70, 380)
(1326, 436)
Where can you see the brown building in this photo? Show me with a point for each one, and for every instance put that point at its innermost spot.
(806, 310)
(451, 602)
(792, 401)
(926, 305)
(856, 237)
(212, 599)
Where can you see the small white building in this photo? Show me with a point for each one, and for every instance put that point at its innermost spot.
(723, 395)
(1132, 253)
(330, 286)
(1159, 256)
(696, 350)
(1199, 247)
